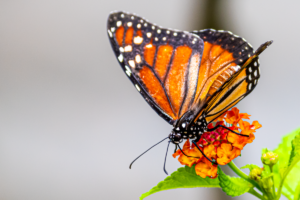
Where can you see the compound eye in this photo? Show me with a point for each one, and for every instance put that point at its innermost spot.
(177, 137)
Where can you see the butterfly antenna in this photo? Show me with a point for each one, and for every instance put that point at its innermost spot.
(212, 129)
(146, 152)
(166, 158)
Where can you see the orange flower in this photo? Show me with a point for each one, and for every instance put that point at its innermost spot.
(240, 141)
(205, 169)
(188, 161)
(247, 129)
(233, 116)
(210, 151)
(221, 117)
(226, 153)
(256, 125)
(221, 144)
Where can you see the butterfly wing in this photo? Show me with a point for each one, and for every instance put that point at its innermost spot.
(163, 64)
(236, 88)
(222, 56)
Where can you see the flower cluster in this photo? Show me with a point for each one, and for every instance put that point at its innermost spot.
(220, 145)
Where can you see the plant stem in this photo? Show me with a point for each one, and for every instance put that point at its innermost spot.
(254, 193)
(273, 187)
(243, 175)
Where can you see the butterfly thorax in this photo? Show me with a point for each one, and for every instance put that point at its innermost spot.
(186, 128)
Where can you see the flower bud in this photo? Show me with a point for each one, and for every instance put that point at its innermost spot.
(255, 174)
(269, 158)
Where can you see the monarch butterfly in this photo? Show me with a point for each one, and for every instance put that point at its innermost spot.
(188, 78)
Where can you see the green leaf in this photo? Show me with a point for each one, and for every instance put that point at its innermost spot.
(287, 154)
(233, 186)
(295, 154)
(297, 192)
(184, 177)
(250, 166)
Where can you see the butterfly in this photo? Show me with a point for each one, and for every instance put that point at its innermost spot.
(188, 78)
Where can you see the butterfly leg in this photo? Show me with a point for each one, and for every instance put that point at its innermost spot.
(185, 154)
(176, 148)
(212, 161)
(212, 129)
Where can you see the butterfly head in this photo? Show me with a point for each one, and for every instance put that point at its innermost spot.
(185, 128)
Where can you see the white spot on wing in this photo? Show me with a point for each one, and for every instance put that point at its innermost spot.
(168, 32)
(128, 48)
(138, 58)
(109, 33)
(164, 38)
(122, 15)
(250, 86)
(149, 35)
(138, 40)
(148, 45)
(255, 64)
(127, 68)
(255, 73)
(145, 24)
(158, 31)
(128, 71)
(119, 23)
(139, 26)
(175, 34)
(131, 63)
(121, 49)
(121, 58)
(129, 24)
(112, 29)
(137, 87)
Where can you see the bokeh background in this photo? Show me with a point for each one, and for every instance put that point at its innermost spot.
(71, 121)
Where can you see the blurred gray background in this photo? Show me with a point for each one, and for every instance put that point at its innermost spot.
(71, 121)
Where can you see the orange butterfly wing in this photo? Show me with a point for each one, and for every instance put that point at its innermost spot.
(163, 64)
(221, 58)
(178, 72)
(238, 87)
